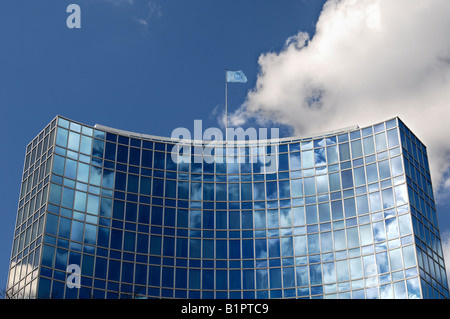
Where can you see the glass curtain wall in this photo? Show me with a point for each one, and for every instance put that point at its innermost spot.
(348, 215)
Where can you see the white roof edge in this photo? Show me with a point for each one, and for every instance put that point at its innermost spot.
(267, 141)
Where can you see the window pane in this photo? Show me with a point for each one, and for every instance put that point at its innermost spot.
(344, 152)
(369, 147)
(356, 149)
(380, 140)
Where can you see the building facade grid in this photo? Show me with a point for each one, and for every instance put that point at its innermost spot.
(347, 215)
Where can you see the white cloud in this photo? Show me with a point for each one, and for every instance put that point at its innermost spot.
(153, 11)
(368, 61)
(146, 11)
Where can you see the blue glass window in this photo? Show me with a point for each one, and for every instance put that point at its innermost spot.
(287, 246)
(208, 191)
(313, 244)
(311, 214)
(118, 209)
(133, 183)
(121, 181)
(310, 187)
(356, 268)
(275, 278)
(344, 152)
(221, 220)
(347, 179)
(221, 280)
(285, 217)
(52, 224)
(101, 265)
(246, 191)
(116, 239)
(360, 177)
(156, 215)
(155, 245)
(262, 279)
(362, 205)
(141, 274)
(235, 279)
(380, 141)
(70, 170)
(272, 218)
(300, 245)
(315, 273)
(131, 212)
(375, 201)
(183, 190)
(64, 227)
(356, 149)
(302, 276)
(103, 237)
(342, 270)
(90, 234)
(297, 187)
(144, 214)
(194, 278)
(114, 270)
(208, 248)
(108, 178)
(207, 279)
(274, 247)
(247, 248)
(234, 220)
(324, 212)
(159, 160)
(110, 151)
(308, 159)
(154, 275)
(335, 181)
(322, 184)
(248, 279)
(58, 165)
(142, 243)
(48, 253)
(61, 137)
(147, 158)
(98, 148)
(352, 237)
(329, 273)
(336, 209)
(129, 241)
(319, 157)
(135, 156)
(349, 207)
(87, 266)
(181, 278)
(369, 147)
(393, 138)
(295, 161)
(167, 277)
(340, 242)
(158, 187)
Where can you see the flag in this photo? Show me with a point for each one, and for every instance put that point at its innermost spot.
(236, 76)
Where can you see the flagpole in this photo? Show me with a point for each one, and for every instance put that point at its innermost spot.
(226, 106)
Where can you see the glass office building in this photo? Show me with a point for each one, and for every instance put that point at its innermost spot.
(348, 214)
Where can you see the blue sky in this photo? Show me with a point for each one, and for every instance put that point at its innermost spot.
(120, 71)
(147, 66)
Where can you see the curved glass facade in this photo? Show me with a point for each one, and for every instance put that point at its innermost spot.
(345, 215)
